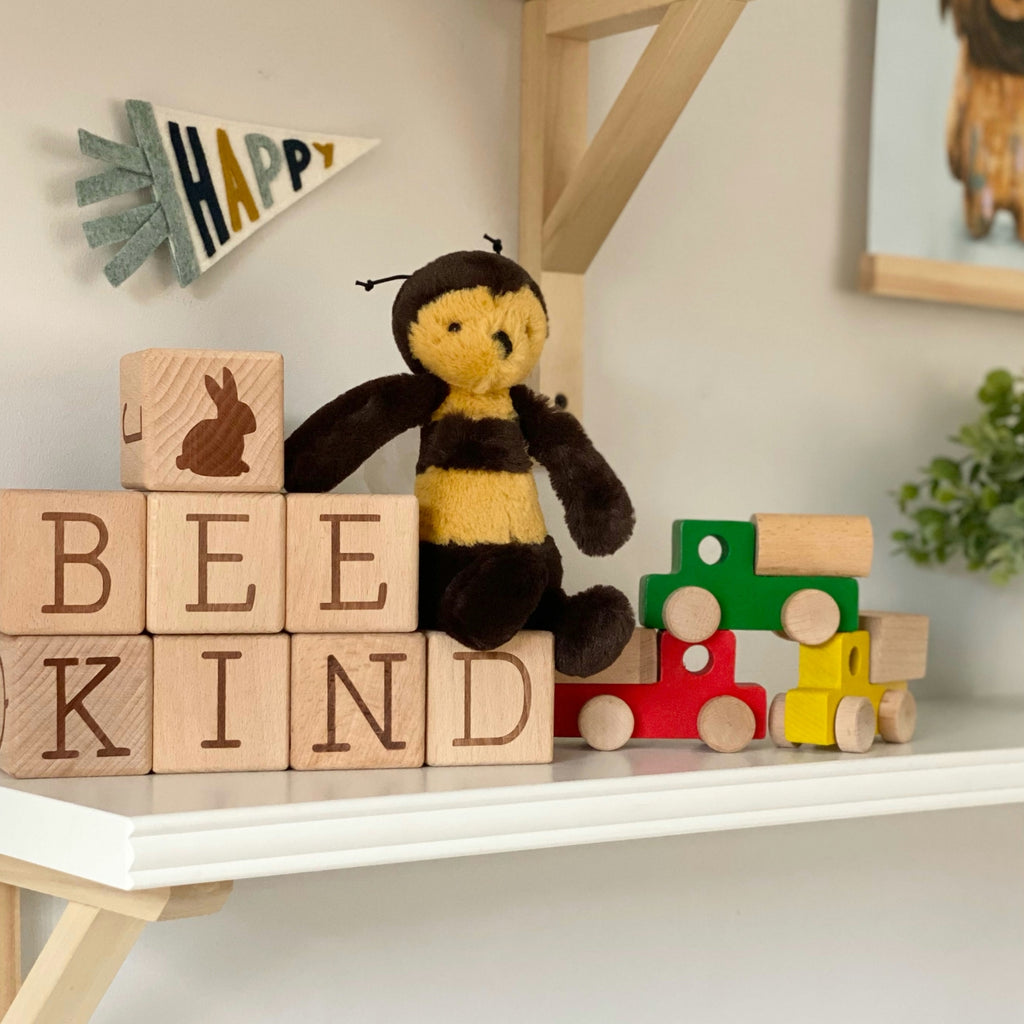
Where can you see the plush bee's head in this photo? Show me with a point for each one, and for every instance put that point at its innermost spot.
(477, 320)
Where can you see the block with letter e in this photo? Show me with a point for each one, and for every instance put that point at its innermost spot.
(358, 700)
(353, 563)
(75, 706)
(202, 420)
(491, 707)
(72, 562)
(215, 563)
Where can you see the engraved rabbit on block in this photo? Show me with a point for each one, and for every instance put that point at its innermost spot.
(214, 447)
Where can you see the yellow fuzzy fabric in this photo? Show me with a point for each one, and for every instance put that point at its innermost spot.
(497, 405)
(468, 358)
(472, 506)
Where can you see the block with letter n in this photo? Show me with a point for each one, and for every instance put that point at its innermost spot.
(353, 563)
(490, 707)
(72, 562)
(76, 706)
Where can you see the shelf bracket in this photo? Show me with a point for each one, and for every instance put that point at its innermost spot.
(571, 193)
(89, 944)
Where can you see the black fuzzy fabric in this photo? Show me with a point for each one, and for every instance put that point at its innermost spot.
(483, 594)
(344, 433)
(457, 442)
(449, 273)
(992, 41)
(598, 511)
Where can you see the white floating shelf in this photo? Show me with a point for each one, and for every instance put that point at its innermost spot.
(136, 833)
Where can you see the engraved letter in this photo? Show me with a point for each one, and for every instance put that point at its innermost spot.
(382, 732)
(222, 742)
(338, 556)
(77, 704)
(61, 557)
(203, 604)
(469, 740)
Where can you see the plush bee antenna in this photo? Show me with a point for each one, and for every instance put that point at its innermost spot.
(369, 284)
(495, 242)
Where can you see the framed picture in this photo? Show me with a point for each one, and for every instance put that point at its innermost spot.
(946, 206)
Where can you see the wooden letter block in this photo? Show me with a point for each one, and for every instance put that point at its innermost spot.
(899, 645)
(202, 420)
(215, 563)
(801, 545)
(75, 706)
(638, 663)
(353, 563)
(491, 707)
(72, 562)
(220, 703)
(358, 701)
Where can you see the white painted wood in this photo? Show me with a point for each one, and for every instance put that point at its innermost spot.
(174, 830)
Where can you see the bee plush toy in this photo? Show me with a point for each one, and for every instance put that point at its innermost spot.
(471, 326)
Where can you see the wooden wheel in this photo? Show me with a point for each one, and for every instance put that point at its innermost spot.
(777, 721)
(692, 614)
(605, 722)
(810, 617)
(726, 724)
(897, 716)
(855, 725)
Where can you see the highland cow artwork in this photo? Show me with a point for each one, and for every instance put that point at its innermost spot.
(946, 201)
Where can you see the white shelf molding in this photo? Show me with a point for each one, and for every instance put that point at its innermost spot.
(152, 831)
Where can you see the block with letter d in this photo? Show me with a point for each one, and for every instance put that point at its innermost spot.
(353, 563)
(490, 707)
(73, 706)
(72, 562)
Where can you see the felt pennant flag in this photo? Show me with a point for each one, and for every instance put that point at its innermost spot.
(214, 183)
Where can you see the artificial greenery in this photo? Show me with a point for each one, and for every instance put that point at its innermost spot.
(974, 505)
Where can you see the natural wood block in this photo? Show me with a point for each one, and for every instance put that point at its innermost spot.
(358, 701)
(490, 707)
(76, 706)
(72, 562)
(638, 662)
(202, 420)
(220, 703)
(353, 563)
(899, 645)
(215, 563)
(802, 545)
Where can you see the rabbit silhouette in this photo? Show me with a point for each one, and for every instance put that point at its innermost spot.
(215, 447)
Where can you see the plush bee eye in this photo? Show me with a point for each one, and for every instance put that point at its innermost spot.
(454, 327)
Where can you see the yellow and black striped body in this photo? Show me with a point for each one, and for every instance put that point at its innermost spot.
(474, 477)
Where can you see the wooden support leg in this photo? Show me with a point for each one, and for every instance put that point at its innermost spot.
(76, 967)
(10, 945)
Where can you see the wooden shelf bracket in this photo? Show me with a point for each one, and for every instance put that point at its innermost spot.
(89, 944)
(571, 192)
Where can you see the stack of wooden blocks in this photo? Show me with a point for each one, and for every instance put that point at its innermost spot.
(206, 622)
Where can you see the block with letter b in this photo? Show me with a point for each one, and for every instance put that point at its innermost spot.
(74, 706)
(220, 703)
(353, 563)
(358, 701)
(202, 420)
(215, 563)
(491, 707)
(72, 562)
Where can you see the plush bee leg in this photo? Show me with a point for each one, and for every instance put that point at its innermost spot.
(481, 595)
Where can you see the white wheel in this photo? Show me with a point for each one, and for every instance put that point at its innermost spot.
(692, 614)
(855, 725)
(777, 722)
(605, 722)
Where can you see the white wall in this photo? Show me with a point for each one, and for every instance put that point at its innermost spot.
(731, 368)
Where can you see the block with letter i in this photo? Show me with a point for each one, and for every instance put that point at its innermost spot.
(75, 706)
(490, 707)
(202, 420)
(353, 563)
(358, 700)
(220, 703)
(215, 563)
(72, 562)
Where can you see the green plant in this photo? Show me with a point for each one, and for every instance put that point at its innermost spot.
(974, 505)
